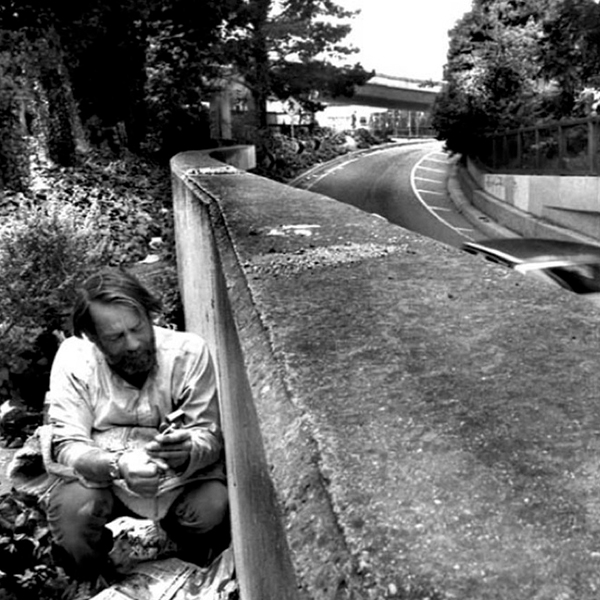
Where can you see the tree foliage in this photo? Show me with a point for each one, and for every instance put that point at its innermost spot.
(513, 63)
(143, 71)
(37, 109)
(79, 219)
(312, 81)
(137, 73)
(570, 52)
(294, 48)
(184, 67)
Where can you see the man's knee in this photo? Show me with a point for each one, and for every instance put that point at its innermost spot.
(215, 503)
(72, 502)
(202, 508)
(77, 516)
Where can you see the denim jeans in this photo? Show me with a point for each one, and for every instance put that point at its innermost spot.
(197, 522)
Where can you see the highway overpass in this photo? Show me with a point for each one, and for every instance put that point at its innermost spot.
(394, 93)
(381, 91)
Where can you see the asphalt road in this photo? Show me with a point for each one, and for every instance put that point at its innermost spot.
(406, 184)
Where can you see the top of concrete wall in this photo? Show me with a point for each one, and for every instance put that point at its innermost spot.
(453, 403)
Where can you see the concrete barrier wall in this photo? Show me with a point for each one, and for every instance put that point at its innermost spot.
(240, 157)
(272, 457)
(569, 202)
(263, 564)
(401, 419)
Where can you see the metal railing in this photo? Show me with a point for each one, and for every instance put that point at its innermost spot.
(562, 148)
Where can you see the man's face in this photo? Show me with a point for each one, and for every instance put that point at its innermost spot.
(125, 337)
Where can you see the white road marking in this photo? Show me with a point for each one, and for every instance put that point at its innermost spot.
(432, 192)
(330, 171)
(428, 180)
(417, 192)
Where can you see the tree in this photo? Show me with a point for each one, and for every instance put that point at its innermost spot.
(570, 52)
(38, 114)
(513, 63)
(14, 169)
(312, 81)
(106, 46)
(139, 73)
(493, 72)
(135, 67)
(186, 59)
(293, 48)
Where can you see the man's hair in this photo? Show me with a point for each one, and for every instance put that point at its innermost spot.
(110, 285)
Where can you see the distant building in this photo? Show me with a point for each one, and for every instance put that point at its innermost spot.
(401, 123)
(232, 116)
(345, 117)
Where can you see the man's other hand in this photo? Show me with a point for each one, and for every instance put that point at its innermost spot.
(141, 472)
(173, 448)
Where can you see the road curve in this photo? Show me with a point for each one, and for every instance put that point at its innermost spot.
(406, 184)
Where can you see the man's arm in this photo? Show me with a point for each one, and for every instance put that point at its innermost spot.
(71, 414)
(198, 442)
(96, 465)
(140, 472)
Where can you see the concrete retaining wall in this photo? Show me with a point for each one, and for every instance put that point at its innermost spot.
(266, 436)
(569, 202)
(263, 564)
(402, 420)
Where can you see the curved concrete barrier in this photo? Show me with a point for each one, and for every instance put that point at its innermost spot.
(401, 419)
(241, 157)
(557, 207)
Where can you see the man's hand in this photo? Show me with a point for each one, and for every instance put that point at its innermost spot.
(141, 472)
(173, 448)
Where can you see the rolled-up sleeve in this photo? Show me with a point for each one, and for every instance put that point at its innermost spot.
(196, 395)
(70, 411)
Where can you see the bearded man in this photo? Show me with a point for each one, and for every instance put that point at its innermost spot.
(113, 386)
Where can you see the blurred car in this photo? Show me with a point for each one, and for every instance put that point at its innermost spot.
(572, 265)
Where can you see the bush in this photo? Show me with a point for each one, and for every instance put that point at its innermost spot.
(73, 222)
(282, 158)
(45, 252)
(27, 565)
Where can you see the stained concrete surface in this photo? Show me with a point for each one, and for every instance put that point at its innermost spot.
(453, 403)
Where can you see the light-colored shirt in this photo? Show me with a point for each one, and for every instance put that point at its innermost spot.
(90, 406)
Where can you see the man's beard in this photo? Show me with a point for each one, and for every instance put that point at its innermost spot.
(136, 363)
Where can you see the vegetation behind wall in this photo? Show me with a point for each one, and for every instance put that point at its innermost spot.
(516, 63)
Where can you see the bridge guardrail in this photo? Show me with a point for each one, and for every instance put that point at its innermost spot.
(569, 147)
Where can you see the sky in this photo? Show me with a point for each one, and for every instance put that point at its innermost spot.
(404, 38)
